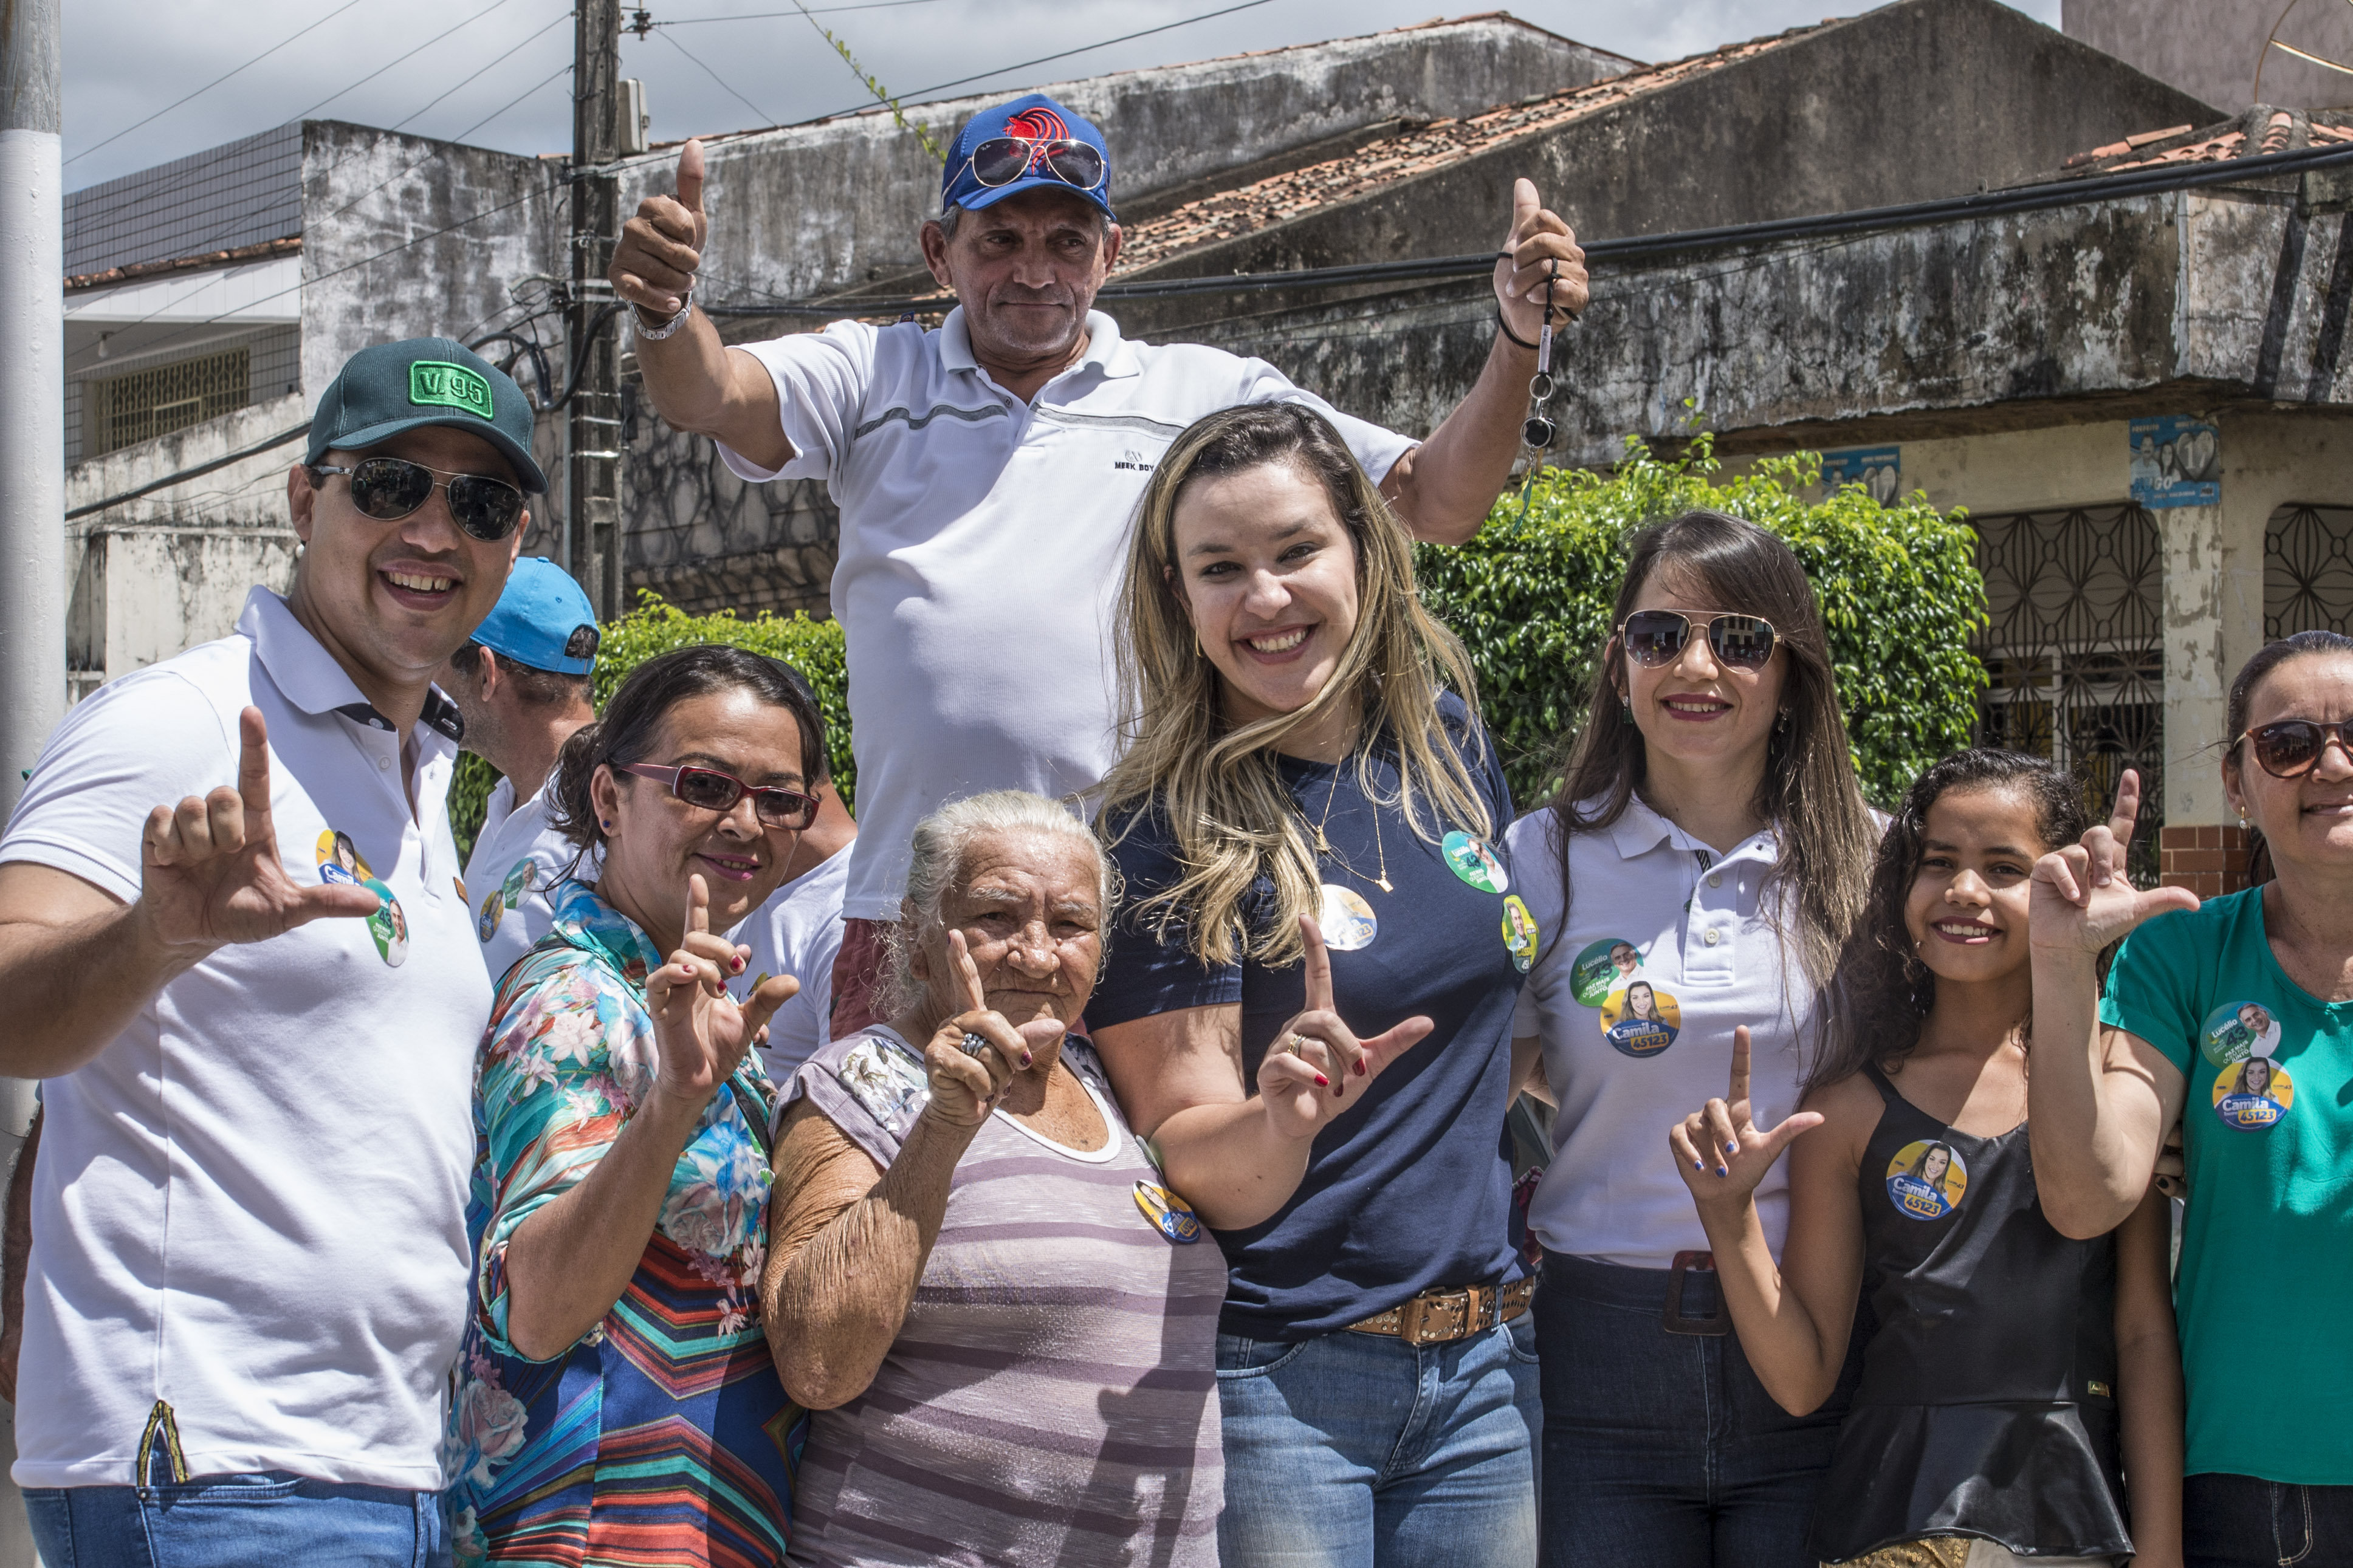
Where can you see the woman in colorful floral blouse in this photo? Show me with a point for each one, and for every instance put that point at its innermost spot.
(616, 1400)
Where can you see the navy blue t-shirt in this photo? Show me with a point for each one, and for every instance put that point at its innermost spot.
(1410, 1188)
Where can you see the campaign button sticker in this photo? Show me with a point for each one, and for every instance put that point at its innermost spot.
(1168, 1213)
(2252, 1095)
(494, 908)
(1475, 861)
(1602, 967)
(388, 926)
(340, 859)
(1520, 933)
(1347, 921)
(1640, 1020)
(1926, 1180)
(2237, 1030)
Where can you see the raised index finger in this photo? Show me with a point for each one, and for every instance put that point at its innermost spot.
(253, 761)
(1319, 967)
(1737, 1089)
(2125, 813)
(975, 995)
(698, 904)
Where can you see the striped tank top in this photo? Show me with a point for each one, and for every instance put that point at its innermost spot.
(1053, 1396)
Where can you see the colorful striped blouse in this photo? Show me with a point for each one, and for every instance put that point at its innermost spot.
(664, 1435)
(1053, 1396)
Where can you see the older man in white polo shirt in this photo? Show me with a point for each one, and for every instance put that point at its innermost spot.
(234, 944)
(987, 473)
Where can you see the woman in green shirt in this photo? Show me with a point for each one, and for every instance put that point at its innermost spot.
(2266, 1110)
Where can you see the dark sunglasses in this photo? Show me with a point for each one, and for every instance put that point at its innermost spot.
(1001, 160)
(1654, 637)
(711, 790)
(389, 488)
(2293, 747)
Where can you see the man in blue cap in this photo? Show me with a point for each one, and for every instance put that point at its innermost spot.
(987, 473)
(524, 684)
(235, 948)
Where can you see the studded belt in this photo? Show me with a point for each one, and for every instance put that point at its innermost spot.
(1443, 1316)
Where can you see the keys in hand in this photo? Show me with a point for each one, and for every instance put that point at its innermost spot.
(1719, 1150)
(1303, 1082)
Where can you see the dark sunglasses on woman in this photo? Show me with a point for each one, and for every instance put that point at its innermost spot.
(1001, 160)
(389, 488)
(1655, 638)
(2292, 748)
(711, 790)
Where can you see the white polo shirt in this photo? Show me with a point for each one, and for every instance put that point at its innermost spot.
(250, 1205)
(1633, 1045)
(982, 544)
(797, 932)
(518, 857)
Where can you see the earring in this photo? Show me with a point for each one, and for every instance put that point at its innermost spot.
(1199, 652)
(1781, 726)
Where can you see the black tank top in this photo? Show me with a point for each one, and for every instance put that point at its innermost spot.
(1987, 1401)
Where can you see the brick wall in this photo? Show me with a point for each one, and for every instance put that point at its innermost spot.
(2209, 861)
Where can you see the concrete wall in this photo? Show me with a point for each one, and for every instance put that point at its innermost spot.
(1917, 100)
(806, 209)
(2210, 50)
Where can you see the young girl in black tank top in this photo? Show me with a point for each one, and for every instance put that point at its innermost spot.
(2014, 1380)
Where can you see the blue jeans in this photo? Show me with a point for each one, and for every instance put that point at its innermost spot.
(1357, 1451)
(2238, 1521)
(236, 1521)
(1662, 1450)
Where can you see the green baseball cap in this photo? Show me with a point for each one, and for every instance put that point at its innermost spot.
(391, 387)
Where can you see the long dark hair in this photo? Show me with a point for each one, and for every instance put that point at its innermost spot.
(2266, 658)
(1808, 793)
(634, 716)
(1884, 992)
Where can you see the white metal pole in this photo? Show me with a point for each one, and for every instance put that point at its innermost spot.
(32, 482)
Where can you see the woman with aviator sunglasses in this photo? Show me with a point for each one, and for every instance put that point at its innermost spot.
(616, 1375)
(1709, 826)
(2235, 1017)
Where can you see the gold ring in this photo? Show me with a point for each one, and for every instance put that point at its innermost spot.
(1296, 1045)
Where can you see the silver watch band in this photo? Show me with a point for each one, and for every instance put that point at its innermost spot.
(656, 334)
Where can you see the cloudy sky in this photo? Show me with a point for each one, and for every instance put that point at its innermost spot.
(493, 72)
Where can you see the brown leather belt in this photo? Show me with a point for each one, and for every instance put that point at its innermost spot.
(1441, 1317)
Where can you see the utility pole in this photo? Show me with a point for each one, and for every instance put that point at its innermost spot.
(592, 481)
(32, 482)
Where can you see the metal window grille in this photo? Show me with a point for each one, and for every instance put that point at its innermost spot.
(145, 404)
(2308, 570)
(2074, 650)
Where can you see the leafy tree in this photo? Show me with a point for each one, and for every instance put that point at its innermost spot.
(1898, 585)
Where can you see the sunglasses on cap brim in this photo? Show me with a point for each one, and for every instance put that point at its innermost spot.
(1001, 160)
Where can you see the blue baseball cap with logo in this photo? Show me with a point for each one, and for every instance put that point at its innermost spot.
(1029, 144)
(542, 620)
(387, 388)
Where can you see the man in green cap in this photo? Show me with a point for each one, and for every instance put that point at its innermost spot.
(236, 946)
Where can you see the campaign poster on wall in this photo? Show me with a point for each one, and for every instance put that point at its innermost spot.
(2176, 462)
(1876, 469)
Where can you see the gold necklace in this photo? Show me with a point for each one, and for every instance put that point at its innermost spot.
(1323, 845)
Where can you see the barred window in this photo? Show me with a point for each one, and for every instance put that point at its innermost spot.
(2308, 570)
(145, 404)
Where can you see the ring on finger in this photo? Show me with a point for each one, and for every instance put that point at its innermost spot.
(974, 1044)
(1296, 1044)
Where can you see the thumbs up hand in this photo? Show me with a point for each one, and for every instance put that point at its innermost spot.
(1541, 268)
(655, 260)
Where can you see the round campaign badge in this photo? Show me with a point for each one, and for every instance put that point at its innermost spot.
(1168, 1213)
(1640, 1020)
(1347, 920)
(2237, 1030)
(1520, 932)
(1601, 968)
(494, 908)
(388, 925)
(1925, 1180)
(340, 859)
(1475, 861)
(521, 877)
(2254, 1094)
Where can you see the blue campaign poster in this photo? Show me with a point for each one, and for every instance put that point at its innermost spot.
(2176, 462)
(1876, 469)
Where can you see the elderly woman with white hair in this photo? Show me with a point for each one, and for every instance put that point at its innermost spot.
(1006, 1326)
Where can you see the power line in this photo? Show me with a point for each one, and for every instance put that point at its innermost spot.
(1063, 54)
(376, 73)
(214, 82)
(502, 59)
(771, 15)
(764, 117)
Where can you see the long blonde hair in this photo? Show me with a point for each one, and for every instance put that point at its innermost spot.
(1216, 782)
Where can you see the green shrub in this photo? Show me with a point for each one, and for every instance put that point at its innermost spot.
(1899, 585)
(813, 647)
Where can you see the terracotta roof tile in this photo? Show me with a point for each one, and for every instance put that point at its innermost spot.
(1414, 150)
(2261, 129)
(263, 251)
